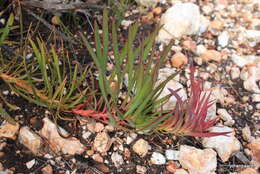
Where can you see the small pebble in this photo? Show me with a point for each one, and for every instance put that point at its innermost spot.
(223, 39)
(141, 169)
(5, 92)
(130, 138)
(235, 73)
(30, 164)
(117, 159)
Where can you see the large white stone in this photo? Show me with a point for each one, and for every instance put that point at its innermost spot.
(57, 143)
(224, 145)
(181, 19)
(198, 161)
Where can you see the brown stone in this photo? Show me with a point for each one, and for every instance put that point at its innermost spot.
(179, 60)
(189, 45)
(172, 167)
(47, 169)
(211, 55)
(8, 130)
(102, 142)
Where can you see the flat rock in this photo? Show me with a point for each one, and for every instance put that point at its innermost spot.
(241, 61)
(57, 143)
(8, 130)
(179, 20)
(102, 142)
(141, 147)
(224, 145)
(198, 161)
(158, 159)
(30, 140)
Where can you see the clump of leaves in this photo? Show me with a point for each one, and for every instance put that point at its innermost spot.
(130, 103)
(189, 116)
(49, 80)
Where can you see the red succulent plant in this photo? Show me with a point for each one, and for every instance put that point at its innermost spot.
(189, 116)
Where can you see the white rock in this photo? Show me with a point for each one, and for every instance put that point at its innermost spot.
(256, 97)
(102, 142)
(117, 159)
(198, 161)
(204, 23)
(158, 158)
(181, 19)
(201, 49)
(235, 72)
(57, 143)
(126, 23)
(5, 92)
(223, 39)
(224, 145)
(172, 154)
(30, 140)
(243, 60)
(148, 3)
(224, 115)
(30, 164)
(130, 138)
(141, 147)
(257, 106)
(8, 130)
(253, 35)
(85, 135)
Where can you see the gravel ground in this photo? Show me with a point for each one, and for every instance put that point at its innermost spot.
(222, 38)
